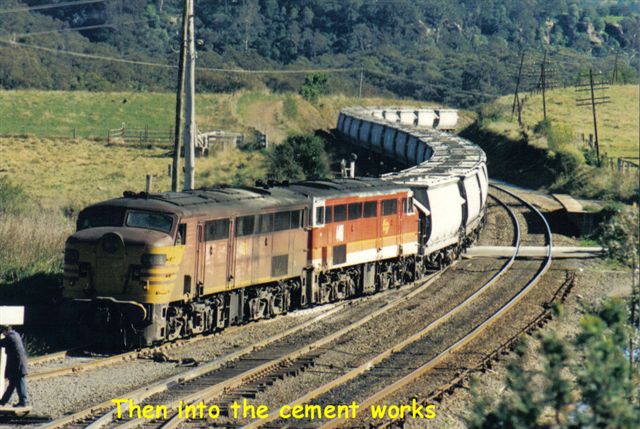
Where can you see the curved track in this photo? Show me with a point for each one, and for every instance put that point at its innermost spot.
(439, 158)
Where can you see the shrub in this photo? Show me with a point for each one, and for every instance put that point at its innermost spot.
(299, 157)
(315, 85)
(12, 198)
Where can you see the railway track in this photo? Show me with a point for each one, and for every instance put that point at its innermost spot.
(248, 372)
(371, 365)
(77, 360)
(473, 334)
(264, 356)
(248, 383)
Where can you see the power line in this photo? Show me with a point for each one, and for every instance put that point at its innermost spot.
(50, 6)
(87, 56)
(86, 27)
(170, 66)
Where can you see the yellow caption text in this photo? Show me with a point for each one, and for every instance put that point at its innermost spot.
(126, 408)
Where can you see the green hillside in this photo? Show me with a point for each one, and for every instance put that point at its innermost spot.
(62, 172)
(617, 121)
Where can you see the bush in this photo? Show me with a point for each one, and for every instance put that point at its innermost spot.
(31, 243)
(567, 161)
(315, 85)
(299, 157)
(12, 198)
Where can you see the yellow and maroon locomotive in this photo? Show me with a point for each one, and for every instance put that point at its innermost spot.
(149, 268)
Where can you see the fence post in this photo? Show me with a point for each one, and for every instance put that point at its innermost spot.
(108, 136)
(148, 183)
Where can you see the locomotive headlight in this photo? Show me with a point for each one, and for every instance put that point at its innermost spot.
(71, 256)
(149, 260)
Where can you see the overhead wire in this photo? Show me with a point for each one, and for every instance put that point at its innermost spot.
(50, 6)
(171, 66)
(82, 28)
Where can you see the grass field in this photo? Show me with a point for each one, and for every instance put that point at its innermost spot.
(617, 121)
(63, 173)
(90, 114)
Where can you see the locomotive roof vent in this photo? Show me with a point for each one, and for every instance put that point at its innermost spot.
(132, 194)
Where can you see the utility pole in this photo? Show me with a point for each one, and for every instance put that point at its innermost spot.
(593, 100)
(516, 97)
(614, 76)
(361, 79)
(543, 79)
(175, 171)
(190, 103)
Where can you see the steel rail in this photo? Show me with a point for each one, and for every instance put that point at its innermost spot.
(42, 359)
(101, 362)
(471, 335)
(247, 376)
(321, 390)
(160, 386)
(145, 392)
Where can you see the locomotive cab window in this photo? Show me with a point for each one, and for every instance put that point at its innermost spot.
(181, 237)
(149, 220)
(244, 226)
(100, 216)
(389, 207)
(407, 205)
(370, 209)
(340, 213)
(319, 216)
(216, 230)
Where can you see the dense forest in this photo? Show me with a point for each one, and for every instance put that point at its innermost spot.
(458, 51)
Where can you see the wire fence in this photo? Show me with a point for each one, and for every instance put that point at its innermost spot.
(139, 135)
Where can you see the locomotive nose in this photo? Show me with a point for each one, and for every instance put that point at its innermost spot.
(110, 267)
(112, 243)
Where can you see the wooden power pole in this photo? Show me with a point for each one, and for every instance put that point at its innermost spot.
(175, 170)
(543, 80)
(593, 101)
(190, 103)
(516, 96)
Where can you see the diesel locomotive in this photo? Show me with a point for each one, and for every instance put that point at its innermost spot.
(148, 268)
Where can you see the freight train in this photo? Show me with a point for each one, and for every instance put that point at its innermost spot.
(149, 268)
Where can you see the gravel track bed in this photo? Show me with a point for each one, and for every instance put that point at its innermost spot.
(398, 364)
(62, 395)
(68, 361)
(498, 228)
(470, 355)
(355, 310)
(359, 346)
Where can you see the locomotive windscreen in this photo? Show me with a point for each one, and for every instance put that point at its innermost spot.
(100, 216)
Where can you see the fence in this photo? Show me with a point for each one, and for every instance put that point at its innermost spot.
(141, 135)
(129, 135)
(626, 165)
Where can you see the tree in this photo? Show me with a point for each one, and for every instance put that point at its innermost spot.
(585, 382)
(299, 157)
(315, 85)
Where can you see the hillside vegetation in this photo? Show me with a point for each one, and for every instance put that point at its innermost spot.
(617, 121)
(68, 174)
(458, 52)
(551, 154)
